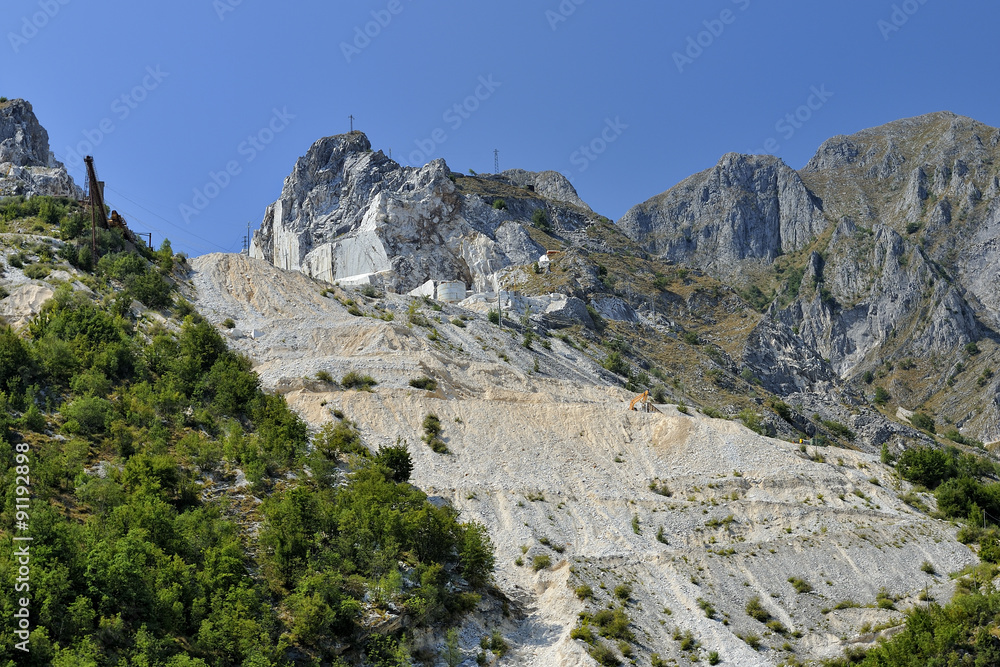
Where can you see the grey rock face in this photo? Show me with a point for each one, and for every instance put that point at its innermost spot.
(346, 211)
(784, 364)
(549, 184)
(27, 166)
(747, 208)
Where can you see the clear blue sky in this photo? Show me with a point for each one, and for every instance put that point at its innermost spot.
(184, 85)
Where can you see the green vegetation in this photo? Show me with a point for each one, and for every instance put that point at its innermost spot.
(355, 380)
(963, 632)
(752, 421)
(136, 566)
(882, 396)
(756, 610)
(541, 562)
(540, 219)
(424, 382)
(800, 585)
(500, 204)
(922, 421)
(839, 430)
(432, 433)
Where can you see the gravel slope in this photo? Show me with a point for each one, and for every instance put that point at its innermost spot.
(555, 456)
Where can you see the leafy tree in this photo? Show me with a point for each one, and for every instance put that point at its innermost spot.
(926, 465)
(397, 459)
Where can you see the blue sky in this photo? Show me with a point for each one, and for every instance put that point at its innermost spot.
(196, 110)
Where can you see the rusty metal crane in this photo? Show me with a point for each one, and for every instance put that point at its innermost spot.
(98, 212)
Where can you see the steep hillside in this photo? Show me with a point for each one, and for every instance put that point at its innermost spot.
(694, 515)
(880, 254)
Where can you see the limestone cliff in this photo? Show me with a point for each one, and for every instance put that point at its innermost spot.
(347, 211)
(27, 166)
(746, 210)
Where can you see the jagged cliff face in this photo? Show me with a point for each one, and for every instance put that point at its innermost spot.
(883, 248)
(746, 210)
(27, 166)
(347, 211)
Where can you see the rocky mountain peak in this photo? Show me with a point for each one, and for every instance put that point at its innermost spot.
(348, 212)
(23, 141)
(27, 166)
(745, 208)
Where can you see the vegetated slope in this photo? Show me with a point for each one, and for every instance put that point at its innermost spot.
(176, 512)
(692, 514)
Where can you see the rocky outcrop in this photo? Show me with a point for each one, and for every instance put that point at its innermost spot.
(746, 209)
(549, 184)
(346, 210)
(27, 166)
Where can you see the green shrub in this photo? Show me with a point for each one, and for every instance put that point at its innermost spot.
(37, 271)
(756, 610)
(432, 433)
(922, 421)
(583, 633)
(121, 265)
(494, 316)
(617, 364)
(89, 415)
(354, 380)
(881, 396)
(839, 430)
(500, 204)
(229, 323)
(397, 459)
(584, 592)
(926, 465)
(800, 585)
(540, 562)
(604, 655)
(706, 607)
(752, 421)
(540, 219)
(325, 376)
(623, 592)
(338, 438)
(424, 382)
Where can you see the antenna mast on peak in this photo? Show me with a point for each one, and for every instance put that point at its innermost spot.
(351, 117)
(496, 160)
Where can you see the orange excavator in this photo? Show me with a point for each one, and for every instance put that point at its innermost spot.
(642, 403)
